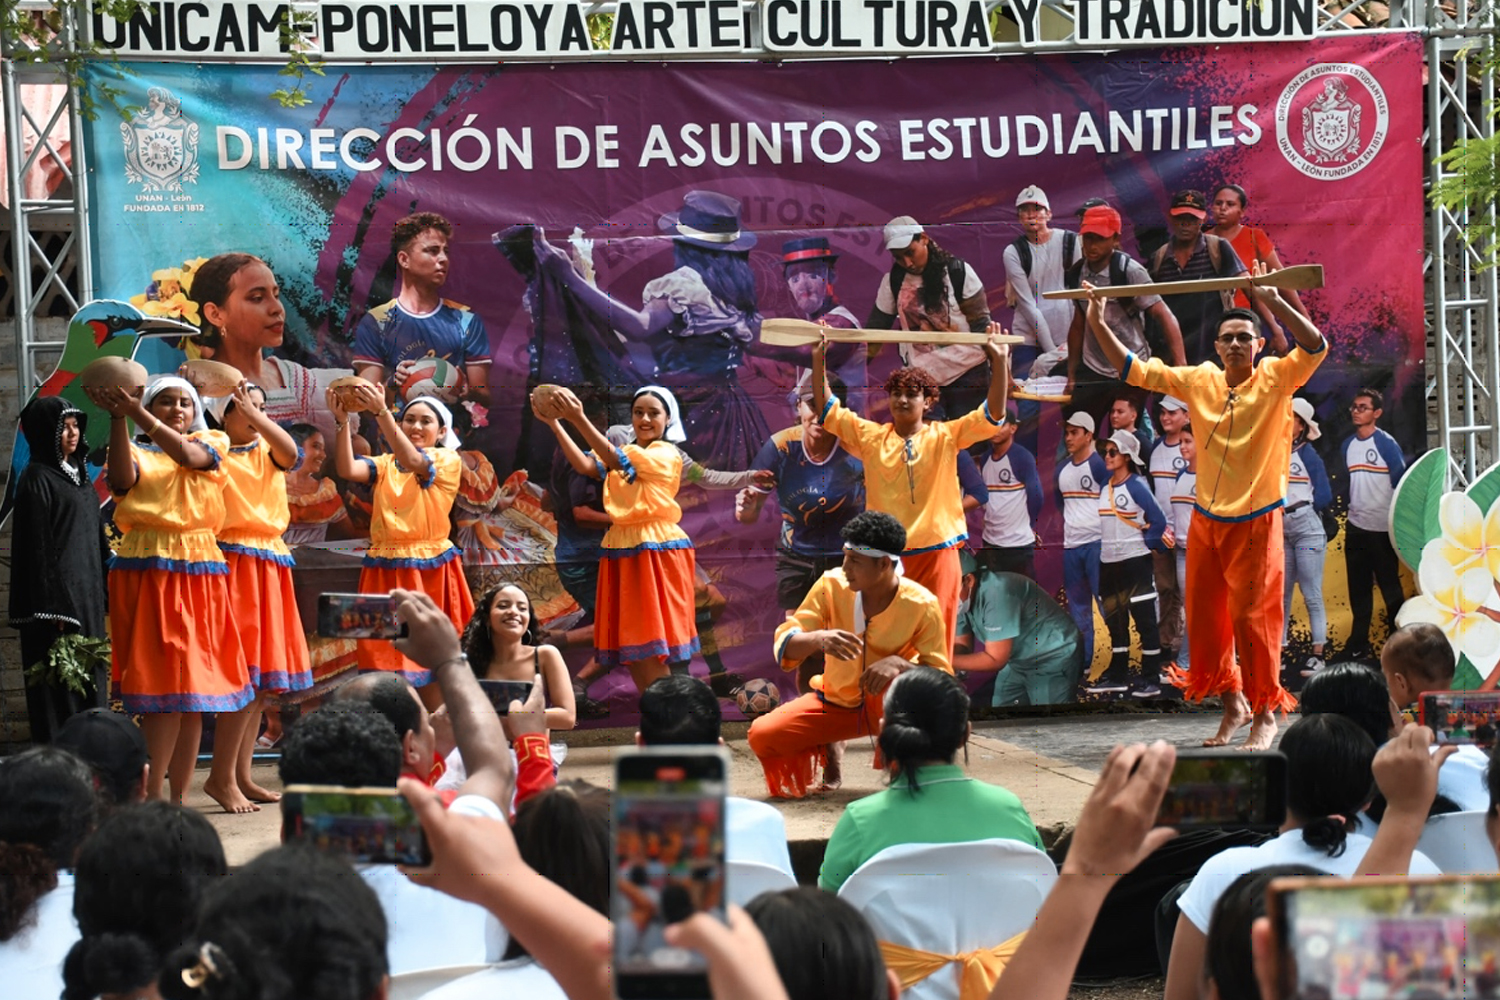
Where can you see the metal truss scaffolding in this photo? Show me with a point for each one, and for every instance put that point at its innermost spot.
(50, 255)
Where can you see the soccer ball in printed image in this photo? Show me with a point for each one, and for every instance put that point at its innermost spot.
(757, 697)
(432, 377)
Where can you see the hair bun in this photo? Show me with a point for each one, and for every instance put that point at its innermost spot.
(108, 963)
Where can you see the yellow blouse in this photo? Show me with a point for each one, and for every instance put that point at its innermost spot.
(255, 502)
(641, 499)
(409, 521)
(915, 481)
(170, 517)
(912, 627)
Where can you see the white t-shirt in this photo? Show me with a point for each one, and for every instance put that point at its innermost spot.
(31, 962)
(1197, 904)
(1461, 779)
(1043, 322)
(430, 929)
(520, 977)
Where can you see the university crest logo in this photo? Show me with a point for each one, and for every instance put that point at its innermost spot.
(161, 144)
(1331, 120)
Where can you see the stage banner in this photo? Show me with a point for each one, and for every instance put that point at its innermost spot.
(620, 225)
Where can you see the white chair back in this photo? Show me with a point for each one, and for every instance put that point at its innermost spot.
(748, 879)
(414, 985)
(950, 898)
(1457, 843)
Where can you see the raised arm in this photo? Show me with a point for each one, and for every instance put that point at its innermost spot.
(1308, 337)
(572, 412)
(999, 355)
(120, 404)
(637, 324)
(283, 448)
(1114, 350)
(433, 643)
(119, 465)
(820, 388)
(344, 462)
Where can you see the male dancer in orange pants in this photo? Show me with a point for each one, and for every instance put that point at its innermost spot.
(1235, 569)
(871, 624)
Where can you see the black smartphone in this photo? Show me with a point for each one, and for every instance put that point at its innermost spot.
(502, 693)
(1461, 717)
(1390, 936)
(669, 865)
(359, 616)
(1226, 788)
(374, 826)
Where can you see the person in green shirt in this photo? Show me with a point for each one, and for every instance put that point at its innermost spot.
(930, 799)
(1007, 623)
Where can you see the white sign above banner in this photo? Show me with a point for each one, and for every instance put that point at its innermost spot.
(480, 31)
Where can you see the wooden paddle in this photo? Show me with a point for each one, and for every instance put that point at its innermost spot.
(800, 333)
(1301, 277)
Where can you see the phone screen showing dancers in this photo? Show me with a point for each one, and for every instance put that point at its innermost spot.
(359, 616)
(1462, 717)
(502, 693)
(1376, 937)
(1235, 788)
(375, 826)
(669, 865)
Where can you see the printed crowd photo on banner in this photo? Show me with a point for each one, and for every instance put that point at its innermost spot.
(645, 239)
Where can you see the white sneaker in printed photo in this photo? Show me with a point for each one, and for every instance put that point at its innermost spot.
(1312, 665)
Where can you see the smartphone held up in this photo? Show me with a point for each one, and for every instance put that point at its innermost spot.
(1234, 788)
(359, 616)
(669, 865)
(374, 826)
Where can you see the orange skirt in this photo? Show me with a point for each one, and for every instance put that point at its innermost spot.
(173, 643)
(260, 590)
(444, 583)
(645, 607)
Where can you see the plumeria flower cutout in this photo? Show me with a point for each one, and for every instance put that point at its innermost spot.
(1470, 537)
(1455, 602)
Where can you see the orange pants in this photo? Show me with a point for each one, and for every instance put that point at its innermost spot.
(790, 740)
(1235, 573)
(942, 574)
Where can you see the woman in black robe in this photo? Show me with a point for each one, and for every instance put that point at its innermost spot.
(57, 582)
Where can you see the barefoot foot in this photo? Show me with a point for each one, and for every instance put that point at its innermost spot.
(1236, 717)
(1262, 732)
(255, 793)
(230, 798)
(833, 768)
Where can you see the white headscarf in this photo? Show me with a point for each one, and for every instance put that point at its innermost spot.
(449, 439)
(674, 433)
(156, 385)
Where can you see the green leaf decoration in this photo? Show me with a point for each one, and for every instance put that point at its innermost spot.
(70, 662)
(1414, 509)
(1466, 677)
(1485, 489)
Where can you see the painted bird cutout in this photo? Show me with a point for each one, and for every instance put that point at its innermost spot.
(101, 328)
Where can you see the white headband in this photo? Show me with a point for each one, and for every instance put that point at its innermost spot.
(450, 439)
(674, 433)
(859, 598)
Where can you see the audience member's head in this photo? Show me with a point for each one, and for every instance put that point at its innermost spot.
(926, 721)
(140, 878)
(1356, 691)
(1329, 778)
(1228, 966)
(47, 807)
(393, 696)
(1417, 658)
(346, 743)
(679, 710)
(114, 747)
(291, 925)
(823, 948)
(564, 833)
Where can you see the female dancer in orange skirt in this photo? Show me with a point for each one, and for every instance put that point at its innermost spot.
(414, 489)
(644, 615)
(260, 565)
(175, 650)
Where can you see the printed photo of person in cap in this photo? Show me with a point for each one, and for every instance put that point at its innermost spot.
(809, 266)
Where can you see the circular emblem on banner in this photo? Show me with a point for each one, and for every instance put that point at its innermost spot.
(1331, 120)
